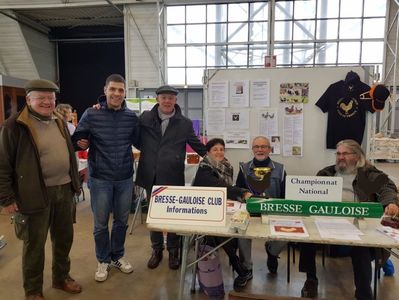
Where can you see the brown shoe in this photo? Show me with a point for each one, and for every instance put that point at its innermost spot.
(35, 297)
(174, 261)
(155, 259)
(69, 285)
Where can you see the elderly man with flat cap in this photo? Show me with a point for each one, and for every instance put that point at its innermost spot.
(38, 177)
(164, 133)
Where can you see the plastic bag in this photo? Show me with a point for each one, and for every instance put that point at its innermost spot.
(210, 275)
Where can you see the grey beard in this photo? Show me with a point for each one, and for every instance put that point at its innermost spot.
(346, 170)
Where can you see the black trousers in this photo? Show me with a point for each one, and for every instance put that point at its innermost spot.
(361, 263)
(231, 250)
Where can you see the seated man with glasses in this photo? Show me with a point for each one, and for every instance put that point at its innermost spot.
(261, 149)
(362, 182)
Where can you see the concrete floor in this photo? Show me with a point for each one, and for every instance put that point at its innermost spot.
(335, 279)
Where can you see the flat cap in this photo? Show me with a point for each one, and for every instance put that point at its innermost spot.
(41, 85)
(166, 89)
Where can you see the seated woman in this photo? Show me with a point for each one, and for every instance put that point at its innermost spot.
(215, 170)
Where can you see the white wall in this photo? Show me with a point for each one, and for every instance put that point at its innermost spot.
(315, 155)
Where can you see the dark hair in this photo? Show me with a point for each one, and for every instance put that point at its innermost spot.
(115, 78)
(213, 142)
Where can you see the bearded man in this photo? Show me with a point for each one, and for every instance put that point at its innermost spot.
(362, 182)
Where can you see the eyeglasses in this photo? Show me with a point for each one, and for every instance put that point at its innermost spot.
(257, 147)
(344, 154)
(43, 98)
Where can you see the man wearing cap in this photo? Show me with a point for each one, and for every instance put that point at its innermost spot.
(38, 177)
(111, 129)
(164, 132)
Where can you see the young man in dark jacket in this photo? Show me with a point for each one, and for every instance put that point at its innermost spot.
(164, 133)
(110, 130)
(362, 182)
(38, 176)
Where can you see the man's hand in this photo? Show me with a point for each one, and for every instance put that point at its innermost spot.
(97, 106)
(11, 209)
(247, 195)
(392, 210)
(83, 144)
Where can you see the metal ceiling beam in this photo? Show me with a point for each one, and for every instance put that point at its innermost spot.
(114, 6)
(69, 4)
(27, 22)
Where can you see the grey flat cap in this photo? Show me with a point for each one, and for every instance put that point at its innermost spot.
(166, 89)
(41, 85)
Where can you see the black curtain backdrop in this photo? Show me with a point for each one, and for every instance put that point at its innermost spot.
(83, 70)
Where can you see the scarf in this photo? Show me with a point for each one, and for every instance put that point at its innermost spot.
(40, 117)
(165, 119)
(223, 168)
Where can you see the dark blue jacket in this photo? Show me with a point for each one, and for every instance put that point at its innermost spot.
(111, 134)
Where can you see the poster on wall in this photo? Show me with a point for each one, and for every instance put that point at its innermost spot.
(238, 139)
(293, 130)
(275, 143)
(237, 118)
(297, 92)
(268, 122)
(215, 121)
(239, 93)
(260, 93)
(219, 94)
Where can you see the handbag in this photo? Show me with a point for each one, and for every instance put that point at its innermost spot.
(210, 275)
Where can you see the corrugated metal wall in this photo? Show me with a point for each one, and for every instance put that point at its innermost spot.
(15, 57)
(142, 50)
(42, 52)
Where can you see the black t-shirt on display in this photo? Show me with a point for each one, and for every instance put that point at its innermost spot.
(346, 112)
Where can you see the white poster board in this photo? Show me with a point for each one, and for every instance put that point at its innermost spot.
(313, 155)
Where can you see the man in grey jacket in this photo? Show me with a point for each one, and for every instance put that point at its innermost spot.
(164, 133)
(261, 150)
(362, 182)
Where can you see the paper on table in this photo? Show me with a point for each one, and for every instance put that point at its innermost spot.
(233, 206)
(284, 227)
(389, 231)
(337, 228)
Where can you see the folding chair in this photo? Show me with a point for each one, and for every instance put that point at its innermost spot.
(140, 196)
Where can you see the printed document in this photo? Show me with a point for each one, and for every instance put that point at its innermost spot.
(285, 227)
(337, 228)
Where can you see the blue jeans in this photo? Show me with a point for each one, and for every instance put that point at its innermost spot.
(106, 197)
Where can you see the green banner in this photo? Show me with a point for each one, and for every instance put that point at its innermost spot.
(314, 208)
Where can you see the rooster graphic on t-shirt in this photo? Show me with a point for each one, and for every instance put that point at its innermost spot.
(346, 107)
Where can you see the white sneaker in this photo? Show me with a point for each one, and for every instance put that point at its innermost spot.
(102, 272)
(123, 265)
